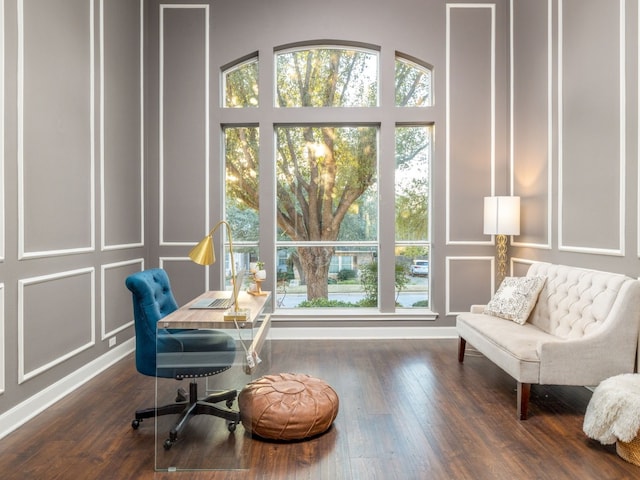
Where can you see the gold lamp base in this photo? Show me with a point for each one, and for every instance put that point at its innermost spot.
(239, 315)
(501, 255)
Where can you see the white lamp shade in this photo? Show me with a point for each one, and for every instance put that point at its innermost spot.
(502, 215)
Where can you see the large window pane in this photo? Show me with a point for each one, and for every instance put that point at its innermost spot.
(413, 159)
(352, 281)
(241, 182)
(326, 193)
(327, 77)
(413, 150)
(412, 276)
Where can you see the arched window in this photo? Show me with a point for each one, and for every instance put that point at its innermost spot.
(413, 84)
(327, 169)
(326, 77)
(240, 84)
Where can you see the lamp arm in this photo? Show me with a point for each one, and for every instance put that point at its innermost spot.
(234, 291)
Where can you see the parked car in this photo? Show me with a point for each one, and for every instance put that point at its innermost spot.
(419, 267)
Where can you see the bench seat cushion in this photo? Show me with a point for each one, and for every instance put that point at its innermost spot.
(513, 347)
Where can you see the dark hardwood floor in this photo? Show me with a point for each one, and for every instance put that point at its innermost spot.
(408, 410)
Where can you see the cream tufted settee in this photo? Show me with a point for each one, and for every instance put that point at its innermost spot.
(583, 329)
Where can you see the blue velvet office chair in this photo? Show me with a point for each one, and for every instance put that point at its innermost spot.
(177, 354)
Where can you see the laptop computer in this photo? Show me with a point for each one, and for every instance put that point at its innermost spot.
(222, 303)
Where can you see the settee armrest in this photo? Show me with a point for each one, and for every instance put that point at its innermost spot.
(580, 361)
(477, 308)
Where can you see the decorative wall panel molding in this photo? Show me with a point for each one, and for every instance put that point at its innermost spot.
(460, 293)
(121, 124)
(184, 123)
(520, 266)
(116, 311)
(2, 171)
(56, 319)
(591, 126)
(3, 341)
(194, 278)
(56, 213)
(532, 119)
(470, 121)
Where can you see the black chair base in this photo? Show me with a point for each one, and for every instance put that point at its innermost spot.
(191, 406)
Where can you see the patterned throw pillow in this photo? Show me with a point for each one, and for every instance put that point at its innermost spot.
(515, 298)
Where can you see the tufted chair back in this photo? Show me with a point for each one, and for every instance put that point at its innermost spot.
(575, 302)
(152, 301)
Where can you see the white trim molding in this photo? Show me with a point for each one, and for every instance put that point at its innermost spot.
(619, 251)
(22, 254)
(492, 261)
(28, 409)
(23, 375)
(3, 341)
(449, 8)
(205, 8)
(103, 201)
(103, 297)
(547, 245)
(2, 173)
(205, 269)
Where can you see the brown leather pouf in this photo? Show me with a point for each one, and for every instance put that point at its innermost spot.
(287, 406)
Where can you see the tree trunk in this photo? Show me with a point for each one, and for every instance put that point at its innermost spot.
(315, 263)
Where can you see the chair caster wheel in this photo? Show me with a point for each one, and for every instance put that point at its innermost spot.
(232, 426)
(135, 424)
(229, 403)
(181, 396)
(167, 444)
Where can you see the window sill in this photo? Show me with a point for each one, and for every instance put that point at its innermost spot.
(331, 316)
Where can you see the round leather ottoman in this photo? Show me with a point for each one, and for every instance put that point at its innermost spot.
(287, 406)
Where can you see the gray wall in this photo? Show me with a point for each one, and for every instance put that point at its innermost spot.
(553, 119)
(72, 194)
(575, 133)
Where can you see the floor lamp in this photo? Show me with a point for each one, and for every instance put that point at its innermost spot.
(501, 218)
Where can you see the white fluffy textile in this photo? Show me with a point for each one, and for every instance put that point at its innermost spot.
(614, 410)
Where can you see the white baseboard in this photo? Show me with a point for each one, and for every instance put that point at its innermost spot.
(360, 333)
(25, 411)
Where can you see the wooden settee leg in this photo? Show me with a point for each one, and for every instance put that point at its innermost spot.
(524, 391)
(461, 347)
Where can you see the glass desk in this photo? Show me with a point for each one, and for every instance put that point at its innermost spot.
(209, 442)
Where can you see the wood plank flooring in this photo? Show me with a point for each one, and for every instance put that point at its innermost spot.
(408, 411)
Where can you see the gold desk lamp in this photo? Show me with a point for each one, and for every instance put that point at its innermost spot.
(501, 218)
(203, 254)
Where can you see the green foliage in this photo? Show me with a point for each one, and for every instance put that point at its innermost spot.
(285, 276)
(346, 274)
(327, 77)
(324, 302)
(413, 84)
(369, 280)
(412, 183)
(241, 85)
(415, 252)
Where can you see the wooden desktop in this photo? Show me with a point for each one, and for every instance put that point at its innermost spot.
(186, 317)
